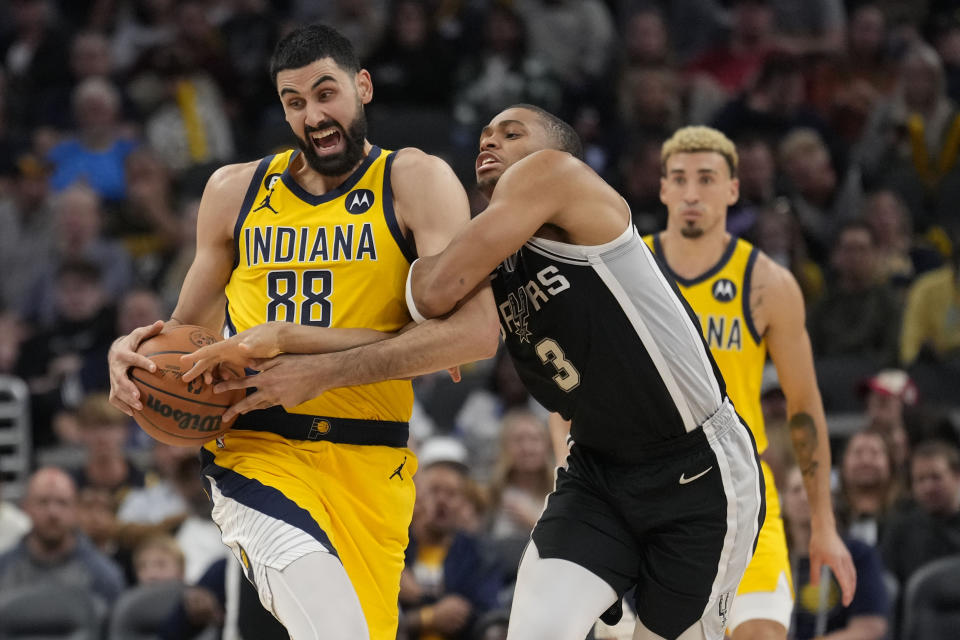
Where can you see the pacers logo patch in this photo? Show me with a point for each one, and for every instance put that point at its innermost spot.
(724, 290)
(359, 201)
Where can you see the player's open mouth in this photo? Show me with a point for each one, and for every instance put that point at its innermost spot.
(326, 141)
(486, 160)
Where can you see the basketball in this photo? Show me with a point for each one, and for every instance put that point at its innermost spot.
(176, 412)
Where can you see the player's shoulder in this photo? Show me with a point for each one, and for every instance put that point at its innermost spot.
(776, 281)
(230, 177)
(411, 163)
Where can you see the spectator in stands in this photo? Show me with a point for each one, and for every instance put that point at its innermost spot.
(640, 184)
(757, 172)
(249, 35)
(97, 519)
(104, 432)
(159, 501)
(911, 140)
(77, 236)
(158, 559)
(202, 606)
(198, 536)
(96, 155)
(869, 487)
(931, 318)
(174, 265)
(523, 475)
(479, 420)
(34, 53)
(90, 57)
(147, 221)
(501, 72)
(55, 549)
(930, 529)
(821, 197)
(777, 233)
(448, 581)
(865, 617)
(886, 395)
(650, 101)
(189, 124)
(146, 25)
(14, 524)
(362, 22)
(773, 104)
(411, 64)
(27, 219)
(810, 27)
(847, 88)
(859, 315)
(138, 308)
(646, 41)
(734, 63)
(902, 259)
(575, 38)
(67, 360)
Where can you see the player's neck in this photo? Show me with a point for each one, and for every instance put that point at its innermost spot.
(317, 183)
(691, 257)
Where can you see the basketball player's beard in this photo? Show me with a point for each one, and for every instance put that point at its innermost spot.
(691, 231)
(340, 163)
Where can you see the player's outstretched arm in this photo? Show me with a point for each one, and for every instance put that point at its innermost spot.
(201, 299)
(792, 355)
(270, 339)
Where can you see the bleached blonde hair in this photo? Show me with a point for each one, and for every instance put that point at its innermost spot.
(698, 138)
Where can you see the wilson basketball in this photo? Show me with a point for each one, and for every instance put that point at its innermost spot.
(174, 411)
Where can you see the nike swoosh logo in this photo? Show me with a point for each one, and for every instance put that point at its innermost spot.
(684, 479)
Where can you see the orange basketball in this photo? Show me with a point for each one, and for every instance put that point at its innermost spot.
(174, 411)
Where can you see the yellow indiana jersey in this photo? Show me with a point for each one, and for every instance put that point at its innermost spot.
(721, 299)
(333, 260)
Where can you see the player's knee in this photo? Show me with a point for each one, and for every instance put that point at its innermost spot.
(759, 630)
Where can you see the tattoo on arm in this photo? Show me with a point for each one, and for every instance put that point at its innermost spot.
(803, 433)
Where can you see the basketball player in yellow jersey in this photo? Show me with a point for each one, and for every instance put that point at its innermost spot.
(315, 499)
(748, 305)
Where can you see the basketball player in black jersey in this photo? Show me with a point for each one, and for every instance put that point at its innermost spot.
(662, 488)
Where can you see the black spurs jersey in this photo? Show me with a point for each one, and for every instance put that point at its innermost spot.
(602, 336)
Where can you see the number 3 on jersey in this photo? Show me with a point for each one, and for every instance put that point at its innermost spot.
(315, 310)
(567, 378)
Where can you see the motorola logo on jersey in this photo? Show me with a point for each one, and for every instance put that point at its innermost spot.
(724, 290)
(270, 180)
(359, 201)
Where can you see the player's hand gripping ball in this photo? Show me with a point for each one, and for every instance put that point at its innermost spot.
(176, 412)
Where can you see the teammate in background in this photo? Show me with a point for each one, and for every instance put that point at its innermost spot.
(663, 488)
(315, 500)
(747, 304)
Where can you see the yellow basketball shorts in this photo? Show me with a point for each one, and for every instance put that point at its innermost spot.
(276, 500)
(766, 589)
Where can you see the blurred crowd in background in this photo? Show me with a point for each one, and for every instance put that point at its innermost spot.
(113, 113)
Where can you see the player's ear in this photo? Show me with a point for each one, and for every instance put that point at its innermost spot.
(364, 86)
(734, 191)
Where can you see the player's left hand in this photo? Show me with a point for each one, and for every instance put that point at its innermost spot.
(238, 352)
(286, 380)
(826, 548)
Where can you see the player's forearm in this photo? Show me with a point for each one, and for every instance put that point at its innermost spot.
(469, 334)
(811, 446)
(436, 288)
(296, 338)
